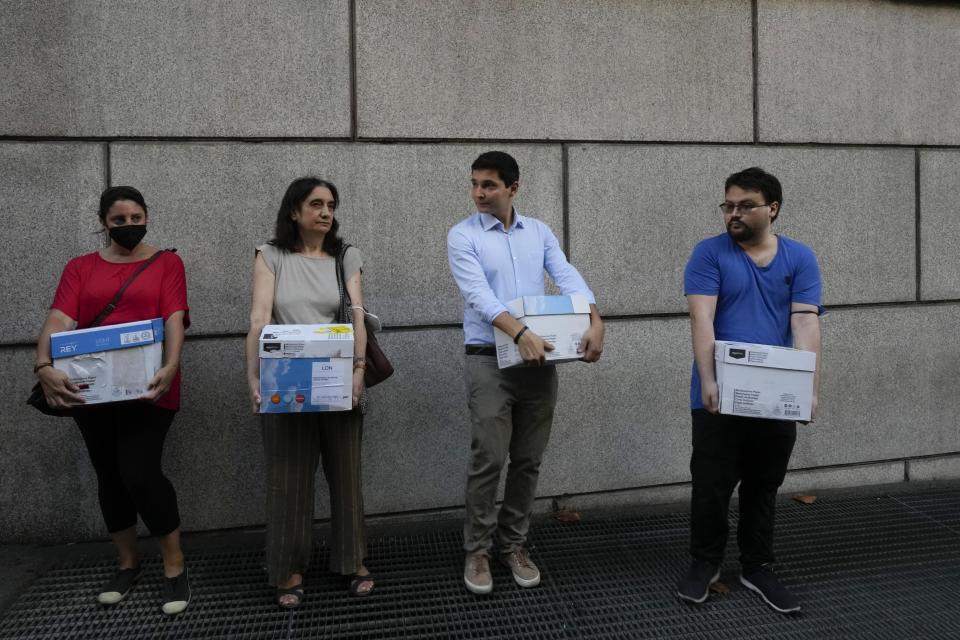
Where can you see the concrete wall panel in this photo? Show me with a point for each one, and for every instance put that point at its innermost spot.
(637, 211)
(216, 202)
(625, 421)
(555, 69)
(932, 469)
(888, 388)
(116, 68)
(48, 208)
(858, 71)
(939, 224)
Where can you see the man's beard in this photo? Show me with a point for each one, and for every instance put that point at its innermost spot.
(743, 234)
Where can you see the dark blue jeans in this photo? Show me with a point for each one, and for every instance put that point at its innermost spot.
(728, 450)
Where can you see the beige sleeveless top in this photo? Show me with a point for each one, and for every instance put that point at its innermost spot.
(305, 288)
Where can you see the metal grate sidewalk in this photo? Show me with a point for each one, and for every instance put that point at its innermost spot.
(886, 567)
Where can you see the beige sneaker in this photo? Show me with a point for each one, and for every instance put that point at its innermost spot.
(525, 573)
(476, 573)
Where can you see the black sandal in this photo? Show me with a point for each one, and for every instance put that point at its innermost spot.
(356, 580)
(296, 591)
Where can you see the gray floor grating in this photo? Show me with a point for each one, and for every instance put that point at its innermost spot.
(875, 568)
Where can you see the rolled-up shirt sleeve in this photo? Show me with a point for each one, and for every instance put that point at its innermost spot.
(468, 272)
(560, 270)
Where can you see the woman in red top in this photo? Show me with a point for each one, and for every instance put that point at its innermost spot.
(125, 440)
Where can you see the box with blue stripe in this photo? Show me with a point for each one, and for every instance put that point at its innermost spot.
(559, 320)
(112, 363)
(306, 368)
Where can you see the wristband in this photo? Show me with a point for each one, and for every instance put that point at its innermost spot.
(359, 365)
(516, 338)
(41, 365)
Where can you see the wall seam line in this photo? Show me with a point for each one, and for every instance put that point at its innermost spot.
(755, 61)
(918, 258)
(352, 43)
(373, 140)
(565, 203)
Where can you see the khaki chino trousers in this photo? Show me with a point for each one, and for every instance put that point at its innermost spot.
(511, 412)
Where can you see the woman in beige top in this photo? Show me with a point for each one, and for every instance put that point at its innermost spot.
(295, 282)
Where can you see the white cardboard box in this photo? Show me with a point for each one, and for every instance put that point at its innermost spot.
(112, 363)
(763, 381)
(306, 368)
(560, 320)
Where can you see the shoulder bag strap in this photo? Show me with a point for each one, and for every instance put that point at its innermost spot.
(344, 315)
(107, 310)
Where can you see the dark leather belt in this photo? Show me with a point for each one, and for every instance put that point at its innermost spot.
(479, 350)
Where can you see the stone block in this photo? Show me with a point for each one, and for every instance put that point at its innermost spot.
(939, 468)
(48, 491)
(417, 431)
(939, 224)
(625, 421)
(178, 68)
(636, 213)
(48, 204)
(657, 70)
(888, 387)
(805, 481)
(858, 72)
(216, 202)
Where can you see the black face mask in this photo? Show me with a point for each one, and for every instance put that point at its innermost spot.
(129, 235)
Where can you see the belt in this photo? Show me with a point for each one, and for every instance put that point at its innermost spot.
(479, 350)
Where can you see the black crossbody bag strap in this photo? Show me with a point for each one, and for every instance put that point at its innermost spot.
(112, 305)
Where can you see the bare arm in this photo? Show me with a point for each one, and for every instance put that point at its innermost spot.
(261, 310)
(591, 345)
(57, 388)
(355, 289)
(702, 311)
(173, 336)
(806, 336)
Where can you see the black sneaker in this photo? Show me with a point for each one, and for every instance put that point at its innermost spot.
(119, 585)
(695, 586)
(773, 593)
(176, 594)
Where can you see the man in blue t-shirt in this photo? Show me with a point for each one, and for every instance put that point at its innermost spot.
(747, 285)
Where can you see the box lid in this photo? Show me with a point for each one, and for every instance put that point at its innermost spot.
(66, 344)
(762, 355)
(306, 340)
(548, 305)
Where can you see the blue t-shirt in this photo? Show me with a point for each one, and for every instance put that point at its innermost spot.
(753, 303)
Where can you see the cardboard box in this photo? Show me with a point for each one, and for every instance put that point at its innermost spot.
(762, 381)
(560, 320)
(111, 363)
(306, 368)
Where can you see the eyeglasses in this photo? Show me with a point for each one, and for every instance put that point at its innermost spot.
(727, 209)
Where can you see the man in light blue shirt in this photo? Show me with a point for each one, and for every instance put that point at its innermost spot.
(497, 255)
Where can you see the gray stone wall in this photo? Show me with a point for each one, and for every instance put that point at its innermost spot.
(625, 118)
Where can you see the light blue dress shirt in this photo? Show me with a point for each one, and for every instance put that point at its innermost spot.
(493, 265)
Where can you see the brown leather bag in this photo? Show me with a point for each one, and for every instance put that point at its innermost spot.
(378, 366)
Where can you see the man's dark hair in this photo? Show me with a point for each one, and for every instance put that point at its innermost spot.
(287, 234)
(503, 163)
(756, 179)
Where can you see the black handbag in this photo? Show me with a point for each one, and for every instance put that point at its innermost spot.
(37, 399)
(378, 367)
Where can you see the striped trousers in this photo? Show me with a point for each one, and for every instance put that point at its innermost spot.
(294, 444)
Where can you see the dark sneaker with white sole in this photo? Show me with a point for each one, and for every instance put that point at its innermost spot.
(119, 585)
(695, 586)
(176, 594)
(763, 582)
